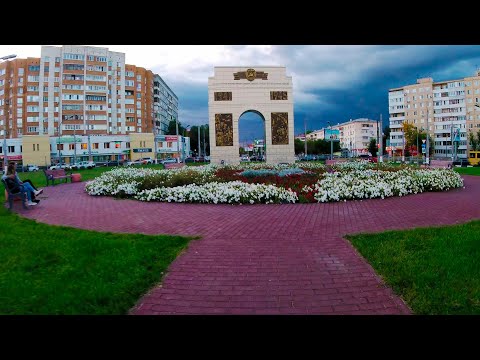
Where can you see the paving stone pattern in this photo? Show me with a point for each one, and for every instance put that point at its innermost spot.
(263, 259)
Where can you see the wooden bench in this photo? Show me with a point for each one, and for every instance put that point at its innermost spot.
(22, 196)
(57, 174)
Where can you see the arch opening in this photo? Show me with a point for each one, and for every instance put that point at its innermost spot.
(251, 134)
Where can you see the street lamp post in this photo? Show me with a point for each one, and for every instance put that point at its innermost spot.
(305, 125)
(88, 138)
(5, 157)
(417, 145)
(74, 145)
(58, 144)
(178, 140)
(186, 129)
(381, 139)
(204, 144)
(199, 147)
(331, 140)
(427, 155)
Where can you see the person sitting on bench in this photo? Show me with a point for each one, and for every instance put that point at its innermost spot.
(15, 187)
(35, 192)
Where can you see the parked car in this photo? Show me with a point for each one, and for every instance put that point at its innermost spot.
(189, 160)
(59, 166)
(32, 167)
(245, 158)
(168, 161)
(134, 162)
(146, 160)
(83, 165)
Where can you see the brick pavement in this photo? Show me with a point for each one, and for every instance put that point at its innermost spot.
(263, 259)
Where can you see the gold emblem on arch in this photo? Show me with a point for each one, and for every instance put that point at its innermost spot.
(251, 74)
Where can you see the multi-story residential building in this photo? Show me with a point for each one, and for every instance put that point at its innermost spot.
(82, 89)
(355, 135)
(165, 105)
(442, 108)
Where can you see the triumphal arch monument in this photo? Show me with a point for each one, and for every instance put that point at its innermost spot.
(236, 90)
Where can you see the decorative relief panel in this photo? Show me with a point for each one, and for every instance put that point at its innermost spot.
(250, 75)
(279, 128)
(222, 96)
(278, 95)
(223, 130)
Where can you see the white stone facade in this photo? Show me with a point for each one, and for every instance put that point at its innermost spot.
(253, 96)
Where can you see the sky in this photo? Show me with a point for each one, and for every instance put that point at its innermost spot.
(333, 83)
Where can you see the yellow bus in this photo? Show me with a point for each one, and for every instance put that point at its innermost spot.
(474, 157)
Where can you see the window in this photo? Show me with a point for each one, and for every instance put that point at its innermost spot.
(34, 68)
(84, 146)
(71, 146)
(20, 71)
(95, 145)
(117, 145)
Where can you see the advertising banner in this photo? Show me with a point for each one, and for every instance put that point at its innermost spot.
(332, 135)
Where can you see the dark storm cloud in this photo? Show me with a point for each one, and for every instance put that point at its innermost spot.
(332, 83)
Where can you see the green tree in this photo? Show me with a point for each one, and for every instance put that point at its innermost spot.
(473, 141)
(410, 132)
(172, 128)
(386, 135)
(372, 147)
(299, 146)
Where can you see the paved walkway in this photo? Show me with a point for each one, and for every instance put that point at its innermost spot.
(263, 259)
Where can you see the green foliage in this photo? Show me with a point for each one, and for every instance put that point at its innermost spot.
(435, 270)
(473, 141)
(372, 147)
(61, 270)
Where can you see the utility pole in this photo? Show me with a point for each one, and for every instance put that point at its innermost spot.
(178, 141)
(381, 139)
(199, 147)
(58, 144)
(5, 160)
(74, 145)
(427, 155)
(5, 157)
(204, 145)
(305, 124)
(88, 137)
(417, 145)
(331, 141)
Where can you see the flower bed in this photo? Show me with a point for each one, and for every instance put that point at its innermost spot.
(271, 184)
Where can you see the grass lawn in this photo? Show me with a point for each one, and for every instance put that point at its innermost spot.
(468, 170)
(435, 270)
(60, 270)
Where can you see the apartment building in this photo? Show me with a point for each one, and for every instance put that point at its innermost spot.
(355, 134)
(165, 105)
(442, 108)
(80, 90)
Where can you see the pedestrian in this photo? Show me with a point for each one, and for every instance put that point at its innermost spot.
(15, 185)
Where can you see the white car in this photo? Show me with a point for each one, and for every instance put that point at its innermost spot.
(32, 167)
(168, 161)
(83, 165)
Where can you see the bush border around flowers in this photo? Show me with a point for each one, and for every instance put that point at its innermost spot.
(348, 181)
